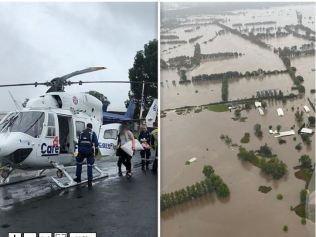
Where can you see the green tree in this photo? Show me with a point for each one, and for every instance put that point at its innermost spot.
(311, 120)
(222, 191)
(265, 150)
(145, 68)
(258, 131)
(279, 128)
(299, 116)
(303, 195)
(305, 161)
(208, 171)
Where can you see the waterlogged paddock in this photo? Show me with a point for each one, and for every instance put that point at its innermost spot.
(283, 15)
(183, 95)
(248, 212)
(210, 92)
(247, 87)
(304, 67)
(207, 32)
(287, 41)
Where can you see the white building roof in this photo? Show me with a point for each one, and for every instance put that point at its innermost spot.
(257, 104)
(192, 159)
(306, 130)
(260, 111)
(285, 133)
(307, 110)
(280, 112)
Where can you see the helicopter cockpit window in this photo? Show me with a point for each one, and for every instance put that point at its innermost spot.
(110, 134)
(51, 129)
(5, 120)
(30, 122)
(80, 126)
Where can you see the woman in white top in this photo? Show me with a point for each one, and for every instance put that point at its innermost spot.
(125, 136)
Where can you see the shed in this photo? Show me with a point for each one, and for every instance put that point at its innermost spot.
(260, 111)
(192, 159)
(280, 112)
(306, 130)
(285, 133)
(257, 104)
(307, 110)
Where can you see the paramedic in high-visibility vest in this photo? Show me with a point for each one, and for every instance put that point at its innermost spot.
(87, 148)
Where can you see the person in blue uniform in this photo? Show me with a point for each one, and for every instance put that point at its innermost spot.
(87, 147)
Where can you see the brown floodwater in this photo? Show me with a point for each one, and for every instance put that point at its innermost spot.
(248, 212)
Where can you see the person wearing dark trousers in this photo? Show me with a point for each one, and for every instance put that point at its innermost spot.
(154, 143)
(87, 146)
(125, 136)
(145, 139)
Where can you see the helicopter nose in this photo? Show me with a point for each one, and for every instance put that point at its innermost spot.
(14, 148)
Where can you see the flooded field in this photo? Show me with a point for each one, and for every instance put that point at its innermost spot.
(247, 212)
(210, 92)
(287, 41)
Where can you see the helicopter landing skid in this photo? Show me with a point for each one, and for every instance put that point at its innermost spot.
(70, 182)
(8, 180)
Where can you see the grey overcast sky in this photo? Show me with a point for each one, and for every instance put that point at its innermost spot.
(40, 41)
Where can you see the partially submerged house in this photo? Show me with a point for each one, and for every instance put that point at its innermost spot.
(305, 131)
(193, 159)
(307, 110)
(258, 104)
(280, 112)
(285, 133)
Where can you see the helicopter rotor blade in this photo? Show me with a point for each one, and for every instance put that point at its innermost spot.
(126, 82)
(79, 72)
(27, 84)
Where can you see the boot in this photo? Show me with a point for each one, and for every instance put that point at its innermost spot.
(90, 184)
(77, 180)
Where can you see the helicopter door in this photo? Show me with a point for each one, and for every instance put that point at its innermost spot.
(108, 139)
(49, 145)
(65, 134)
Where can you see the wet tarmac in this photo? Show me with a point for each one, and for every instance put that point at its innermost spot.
(116, 206)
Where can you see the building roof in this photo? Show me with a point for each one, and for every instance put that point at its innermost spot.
(260, 111)
(307, 110)
(258, 104)
(280, 112)
(285, 133)
(306, 130)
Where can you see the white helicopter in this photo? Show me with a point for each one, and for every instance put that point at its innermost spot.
(44, 134)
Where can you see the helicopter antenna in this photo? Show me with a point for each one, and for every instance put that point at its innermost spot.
(17, 105)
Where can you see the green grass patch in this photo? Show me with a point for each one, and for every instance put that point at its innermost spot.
(217, 108)
(300, 210)
(304, 174)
